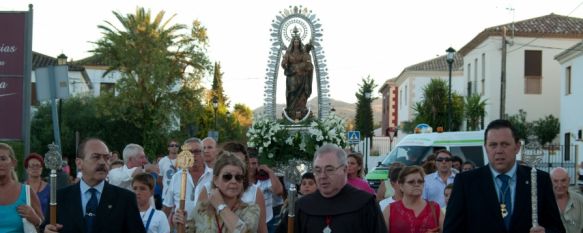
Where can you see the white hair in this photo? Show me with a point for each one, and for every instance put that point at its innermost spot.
(130, 151)
(209, 139)
(332, 148)
(559, 169)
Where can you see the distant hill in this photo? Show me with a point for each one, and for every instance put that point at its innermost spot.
(343, 109)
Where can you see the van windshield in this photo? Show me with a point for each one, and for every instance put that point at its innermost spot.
(409, 155)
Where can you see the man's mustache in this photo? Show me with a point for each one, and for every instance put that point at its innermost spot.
(101, 168)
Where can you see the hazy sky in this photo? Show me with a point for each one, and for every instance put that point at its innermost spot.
(361, 38)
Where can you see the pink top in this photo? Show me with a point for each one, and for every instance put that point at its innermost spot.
(361, 184)
(403, 219)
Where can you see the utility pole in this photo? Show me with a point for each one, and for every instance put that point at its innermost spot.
(503, 76)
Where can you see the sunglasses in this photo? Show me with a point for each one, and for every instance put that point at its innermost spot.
(443, 159)
(414, 182)
(174, 145)
(196, 151)
(228, 177)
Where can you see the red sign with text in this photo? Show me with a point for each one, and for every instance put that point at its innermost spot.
(12, 36)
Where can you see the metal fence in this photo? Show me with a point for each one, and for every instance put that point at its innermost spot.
(560, 156)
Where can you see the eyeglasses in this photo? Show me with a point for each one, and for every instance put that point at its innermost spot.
(328, 170)
(196, 151)
(415, 182)
(228, 177)
(35, 165)
(443, 159)
(174, 145)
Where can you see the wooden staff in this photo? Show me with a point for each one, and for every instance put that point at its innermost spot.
(291, 203)
(53, 161)
(184, 160)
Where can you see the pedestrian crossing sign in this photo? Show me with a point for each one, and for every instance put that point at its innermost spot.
(353, 137)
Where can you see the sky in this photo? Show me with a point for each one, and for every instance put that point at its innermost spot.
(361, 38)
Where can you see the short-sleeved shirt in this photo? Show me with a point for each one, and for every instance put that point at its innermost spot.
(121, 177)
(158, 223)
(167, 169)
(434, 187)
(265, 187)
(172, 197)
(573, 213)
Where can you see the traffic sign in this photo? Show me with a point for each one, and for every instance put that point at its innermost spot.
(353, 137)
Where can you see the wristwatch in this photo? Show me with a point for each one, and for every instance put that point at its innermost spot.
(220, 208)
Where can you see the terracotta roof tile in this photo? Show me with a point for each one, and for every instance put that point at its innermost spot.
(548, 26)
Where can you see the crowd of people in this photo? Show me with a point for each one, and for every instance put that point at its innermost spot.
(228, 190)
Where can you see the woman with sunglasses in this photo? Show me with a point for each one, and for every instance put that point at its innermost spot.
(224, 211)
(412, 213)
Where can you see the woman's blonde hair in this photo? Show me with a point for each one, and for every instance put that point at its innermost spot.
(4, 146)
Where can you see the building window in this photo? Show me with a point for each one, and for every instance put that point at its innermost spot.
(107, 88)
(483, 84)
(405, 96)
(401, 98)
(532, 72)
(568, 81)
(475, 90)
(470, 84)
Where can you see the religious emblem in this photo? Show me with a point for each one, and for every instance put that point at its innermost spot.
(532, 154)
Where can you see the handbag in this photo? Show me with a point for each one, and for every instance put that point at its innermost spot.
(28, 226)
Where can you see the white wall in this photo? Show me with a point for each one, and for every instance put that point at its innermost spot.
(515, 97)
(414, 82)
(96, 76)
(571, 111)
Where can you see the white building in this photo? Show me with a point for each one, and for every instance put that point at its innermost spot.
(571, 96)
(410, 83)
(532, 74)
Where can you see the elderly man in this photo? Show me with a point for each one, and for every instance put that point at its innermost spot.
(135, 160)
(570, 203)
(209, 151)
(336, 207)
(435, 182)
(198, 176)
(496, 197)
(93, 205)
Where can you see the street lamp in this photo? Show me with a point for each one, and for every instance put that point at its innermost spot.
(215, 106)
(450, 53)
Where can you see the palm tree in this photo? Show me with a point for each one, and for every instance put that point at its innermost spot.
(154, 57)
(475, 110)
(433, 109)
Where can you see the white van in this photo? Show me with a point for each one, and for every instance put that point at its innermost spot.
(414, 149)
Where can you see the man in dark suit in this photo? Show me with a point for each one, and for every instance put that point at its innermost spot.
(92, 205)
(496, 197)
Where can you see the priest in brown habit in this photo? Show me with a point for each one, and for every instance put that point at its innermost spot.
(336, 206)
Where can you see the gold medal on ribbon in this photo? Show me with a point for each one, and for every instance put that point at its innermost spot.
(503, 210)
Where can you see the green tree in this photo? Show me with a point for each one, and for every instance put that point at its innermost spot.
(433, 108)
(475, 110)
(546, 129)
(155, 58)
(523, 128)
(363, 119)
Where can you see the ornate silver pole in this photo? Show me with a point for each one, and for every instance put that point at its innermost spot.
(53, 161)
(291, 201)
(532, 154)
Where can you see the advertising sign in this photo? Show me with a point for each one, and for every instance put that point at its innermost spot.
(12, 40)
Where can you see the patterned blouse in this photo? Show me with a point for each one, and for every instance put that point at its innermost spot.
(205, 220)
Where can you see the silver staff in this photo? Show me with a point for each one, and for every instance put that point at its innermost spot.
(54, 162)
(532, 154)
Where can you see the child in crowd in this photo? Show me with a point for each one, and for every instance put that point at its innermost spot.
(307, 186)
(447, 194)
(155, 221)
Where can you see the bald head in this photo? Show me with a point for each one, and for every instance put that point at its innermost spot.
(559, 172)
(561, 180)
